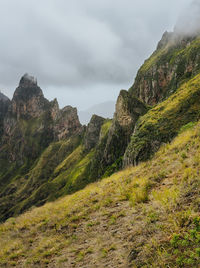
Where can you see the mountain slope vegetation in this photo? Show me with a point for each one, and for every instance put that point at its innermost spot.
(45, 153)
(147, 214)
(144, 216)
(175, 61)
(163, 122)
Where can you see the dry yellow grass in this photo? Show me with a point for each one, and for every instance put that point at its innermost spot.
(126, 220)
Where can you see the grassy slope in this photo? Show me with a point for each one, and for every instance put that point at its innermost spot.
(63, 168)
(145, 216)
(163, 122)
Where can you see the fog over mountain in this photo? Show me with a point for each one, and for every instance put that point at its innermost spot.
(80, 48)
(189, 21)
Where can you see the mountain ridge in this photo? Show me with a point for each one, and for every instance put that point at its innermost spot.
(142, 216)
(146, 214)
(34, 129)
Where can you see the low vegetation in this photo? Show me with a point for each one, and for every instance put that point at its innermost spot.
(144, 216)
(164, 121)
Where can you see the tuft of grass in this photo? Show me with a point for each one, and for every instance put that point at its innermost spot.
(162, 123)
(151, 208)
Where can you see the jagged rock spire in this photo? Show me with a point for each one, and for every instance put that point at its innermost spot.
(27, 80)
(28, 99)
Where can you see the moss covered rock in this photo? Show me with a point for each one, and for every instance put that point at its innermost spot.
(163, 122)
(176, 59)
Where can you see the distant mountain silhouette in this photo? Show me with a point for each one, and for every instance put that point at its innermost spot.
(105, 109)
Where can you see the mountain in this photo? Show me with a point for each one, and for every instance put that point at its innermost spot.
(147, 213)
(30, 123)
(144, 216)
(105, 109)
(175, 61)
(4, 104)
(45, 153)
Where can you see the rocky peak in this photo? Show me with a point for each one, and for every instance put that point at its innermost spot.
(55, 110)
(28, 100)
(31, 122)
(166, 39)
(175, 60)
(66, 121)
(175, 39)
(128, 109)
(93, 132)
(27, 81)
(4, 106)
(27, 88)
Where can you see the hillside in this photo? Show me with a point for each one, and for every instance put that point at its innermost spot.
(29, 123)
(45, 152)
(121, 192)
(144, 216)
(116, 185)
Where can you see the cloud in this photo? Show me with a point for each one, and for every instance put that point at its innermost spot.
(189, 21)
(88, 46)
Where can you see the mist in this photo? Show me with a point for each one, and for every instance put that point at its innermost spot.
(189, 22)
(82, 52)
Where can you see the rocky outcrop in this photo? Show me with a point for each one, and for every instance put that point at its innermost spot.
(28, 100)
(175, 60)
(162, 123)
(128, 110)
(32, 126)
(167, 38)
(31, 123)
(93, 132)
(67, 123)
(109, 152)
(4, 105)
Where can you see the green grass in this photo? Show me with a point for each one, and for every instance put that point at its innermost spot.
(164, 121)
(166, 69)
(160, 204)
(105, 128)
(172, 54)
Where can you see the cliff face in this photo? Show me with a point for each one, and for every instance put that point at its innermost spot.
(66, 123)
(4, 105)
(162, 123)
(176, 59)
(109, 152)
(128, 110)
(28, 100)
(29, 123)
(174, 63)
(93, 132)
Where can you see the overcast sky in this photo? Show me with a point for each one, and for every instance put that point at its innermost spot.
(81, 51)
